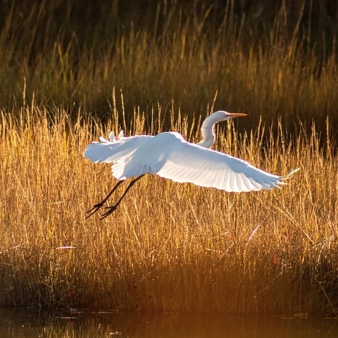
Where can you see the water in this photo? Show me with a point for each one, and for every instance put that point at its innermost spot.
(29, 324)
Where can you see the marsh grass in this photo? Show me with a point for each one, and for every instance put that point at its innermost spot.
(76, 56)
(169, 247)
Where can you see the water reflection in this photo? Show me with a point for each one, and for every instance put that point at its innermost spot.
(41, 324)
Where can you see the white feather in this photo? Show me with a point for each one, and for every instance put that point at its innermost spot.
(170, 156)
(109, 151)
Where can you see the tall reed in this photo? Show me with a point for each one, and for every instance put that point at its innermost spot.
(269, 65)
(169, 247)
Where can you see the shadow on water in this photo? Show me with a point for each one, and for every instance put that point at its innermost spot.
(23, 323)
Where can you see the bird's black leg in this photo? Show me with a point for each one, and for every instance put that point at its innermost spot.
(114, 207)
(97, 206)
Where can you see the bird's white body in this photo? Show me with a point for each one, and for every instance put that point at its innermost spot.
(170, 156)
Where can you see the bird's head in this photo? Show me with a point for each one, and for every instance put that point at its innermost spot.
(222, 115)
(209, 124)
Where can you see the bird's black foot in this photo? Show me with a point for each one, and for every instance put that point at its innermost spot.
(94, 209)
(109, 211)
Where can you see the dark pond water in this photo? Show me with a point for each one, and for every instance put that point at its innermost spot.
(15, 323)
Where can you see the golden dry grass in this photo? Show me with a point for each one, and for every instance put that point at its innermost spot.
(270, 66)
(169, 246)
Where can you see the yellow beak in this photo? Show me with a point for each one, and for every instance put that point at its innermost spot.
(237, 114)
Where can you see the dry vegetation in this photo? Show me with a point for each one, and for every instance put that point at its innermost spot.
(169, 246)
(272, 65)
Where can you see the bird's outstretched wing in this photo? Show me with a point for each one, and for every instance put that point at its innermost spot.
(109, 151)
(187, 162)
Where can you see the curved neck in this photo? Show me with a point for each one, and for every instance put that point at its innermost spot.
(208, 131)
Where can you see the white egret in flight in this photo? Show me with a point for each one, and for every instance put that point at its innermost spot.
(170, 156)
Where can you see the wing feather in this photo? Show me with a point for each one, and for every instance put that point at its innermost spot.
(109, 152)
(187, 162)
(170, 156)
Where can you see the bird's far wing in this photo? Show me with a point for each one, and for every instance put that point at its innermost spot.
(109, 151)
(111, 138)
(187, 162)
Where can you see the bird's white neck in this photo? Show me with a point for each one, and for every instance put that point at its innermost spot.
(208, 131)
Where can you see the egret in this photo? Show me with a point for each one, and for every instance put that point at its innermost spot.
(170, 156)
